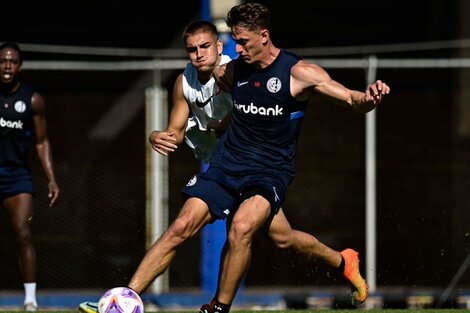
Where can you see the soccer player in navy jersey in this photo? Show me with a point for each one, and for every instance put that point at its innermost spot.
(22, 121)
(253, 164)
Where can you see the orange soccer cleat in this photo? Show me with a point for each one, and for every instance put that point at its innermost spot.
(359, 286)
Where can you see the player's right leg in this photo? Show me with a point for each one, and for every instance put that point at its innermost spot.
(250, 216)
(214, 307)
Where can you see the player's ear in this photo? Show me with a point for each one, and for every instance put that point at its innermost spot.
(220, 46)
(264, 36)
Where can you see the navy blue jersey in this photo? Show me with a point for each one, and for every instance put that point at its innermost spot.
(266, 120)
(16, 127)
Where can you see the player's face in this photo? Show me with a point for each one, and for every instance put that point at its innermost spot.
(249, 44)
(203, 51)
(10, 65)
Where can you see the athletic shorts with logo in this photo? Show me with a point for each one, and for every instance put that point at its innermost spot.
(223, 192)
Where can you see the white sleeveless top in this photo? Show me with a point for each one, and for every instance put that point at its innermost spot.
(207, 103)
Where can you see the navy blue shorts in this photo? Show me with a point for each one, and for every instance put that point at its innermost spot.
(223, 193)
(15, 180)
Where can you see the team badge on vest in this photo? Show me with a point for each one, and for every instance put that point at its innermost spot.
(274, 84)
(192, 181)
(20, 106)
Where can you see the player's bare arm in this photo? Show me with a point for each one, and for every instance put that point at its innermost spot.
(43, 147)
(167, 141)
(308, 78)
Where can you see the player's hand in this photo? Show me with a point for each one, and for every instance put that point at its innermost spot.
(219, 76)
(53, 192)
(163, 141)
(376, 91)
(218, 128)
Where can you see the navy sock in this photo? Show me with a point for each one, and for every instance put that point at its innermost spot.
(221, 308)
(341, 265)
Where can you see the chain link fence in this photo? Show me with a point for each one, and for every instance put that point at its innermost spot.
(95, 236)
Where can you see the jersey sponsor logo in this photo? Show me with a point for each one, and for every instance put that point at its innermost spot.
(11, 124)
(239, 84)
(274, 84)
(255, 110)
(20, 106)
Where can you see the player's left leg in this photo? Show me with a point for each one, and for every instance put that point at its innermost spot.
(358, 284)
(284, 237)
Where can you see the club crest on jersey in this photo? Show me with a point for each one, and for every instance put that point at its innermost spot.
(20, 106)
(192, 181)
(274, 84)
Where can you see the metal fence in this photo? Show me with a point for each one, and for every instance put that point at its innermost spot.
(97, 234)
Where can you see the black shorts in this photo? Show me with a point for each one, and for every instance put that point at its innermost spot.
(15, 180)
(223, 193)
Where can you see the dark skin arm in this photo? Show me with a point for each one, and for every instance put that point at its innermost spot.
(43, 147)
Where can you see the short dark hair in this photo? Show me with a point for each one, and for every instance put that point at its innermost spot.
(199, 26)
(14, 46)
(251, 15)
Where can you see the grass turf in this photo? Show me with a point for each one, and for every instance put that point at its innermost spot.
(298, 311)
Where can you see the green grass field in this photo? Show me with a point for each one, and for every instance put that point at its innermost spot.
(301, 311)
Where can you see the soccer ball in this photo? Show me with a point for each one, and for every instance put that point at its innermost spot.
(120, 300)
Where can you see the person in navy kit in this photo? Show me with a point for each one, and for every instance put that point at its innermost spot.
(22, 122)
(253, 163)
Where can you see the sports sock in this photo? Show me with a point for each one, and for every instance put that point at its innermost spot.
(341, 266)
(221, 308)
(30, 293)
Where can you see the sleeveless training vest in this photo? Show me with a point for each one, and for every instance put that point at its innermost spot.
(266, 121)
(206, 103)
(16, 127)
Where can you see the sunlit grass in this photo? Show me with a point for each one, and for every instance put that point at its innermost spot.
(300, 311)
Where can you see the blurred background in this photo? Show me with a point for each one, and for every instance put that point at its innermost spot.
(92, 62)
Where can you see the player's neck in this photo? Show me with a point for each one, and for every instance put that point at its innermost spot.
(204, 77)
(268, 56)
(10, 87)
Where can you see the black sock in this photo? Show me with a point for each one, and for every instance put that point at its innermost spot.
(221, 308)
(341, 266)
